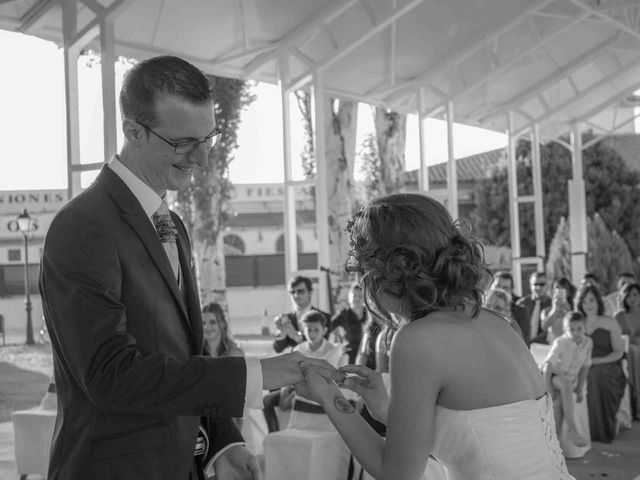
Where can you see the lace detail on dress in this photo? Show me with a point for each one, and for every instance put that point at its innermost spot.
(549, 427)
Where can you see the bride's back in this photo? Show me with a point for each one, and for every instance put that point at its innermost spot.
(486, 361)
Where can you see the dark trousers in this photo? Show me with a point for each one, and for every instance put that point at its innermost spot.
(270, 402)
(197, 470)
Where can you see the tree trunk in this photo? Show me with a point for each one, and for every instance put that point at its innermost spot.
(391, 130)
(209, 235)
(340, 140)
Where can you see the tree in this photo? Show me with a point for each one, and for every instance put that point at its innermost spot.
(340, 139)
(391, 133)
(204, 205)
(611, 190)
(608, 253)
(559, 256)
(370, 166)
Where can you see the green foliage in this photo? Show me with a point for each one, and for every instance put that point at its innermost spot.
(210, 190)
(611, 190)
(307, 155)
(370, 166)
(559, 255)
(608, 253)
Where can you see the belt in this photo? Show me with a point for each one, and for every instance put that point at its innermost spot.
(202, 443)
(306, 407)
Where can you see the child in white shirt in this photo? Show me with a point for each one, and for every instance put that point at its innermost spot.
(565, 371)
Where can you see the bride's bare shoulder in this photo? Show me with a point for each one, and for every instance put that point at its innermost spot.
(435, 330)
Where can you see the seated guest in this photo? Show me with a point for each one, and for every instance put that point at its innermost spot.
(315, 328)
(288, 332)
(561, 303)
(498, 300)
(629, 320)
(216, 332)
(565, 372)
(504, 280)
(615, 297)
(218, 338)
(606, 380)
(352, 320)
(590, 278)
(531, 307)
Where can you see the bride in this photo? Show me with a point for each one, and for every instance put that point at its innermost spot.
(465, 391)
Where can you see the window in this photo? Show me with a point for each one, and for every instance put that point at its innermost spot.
(280, 244)
(234, 245)
(14, 254)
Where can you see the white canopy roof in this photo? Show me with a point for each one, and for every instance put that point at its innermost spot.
(551, 62)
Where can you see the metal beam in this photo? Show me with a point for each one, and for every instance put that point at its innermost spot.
(613, 130)
(607, 103)
(300, 33)
(32, 16)
(586, 91)
(92, 29)
(554, 78)
(500, 70)
(383, 23)
(607, 18)
(469, 49)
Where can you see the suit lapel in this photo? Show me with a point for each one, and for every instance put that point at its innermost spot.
(137, 219)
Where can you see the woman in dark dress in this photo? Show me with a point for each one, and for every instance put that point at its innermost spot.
(606, 381)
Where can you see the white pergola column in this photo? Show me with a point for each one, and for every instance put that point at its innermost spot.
(452, 173)
(515, 200)
(290, 230)
(423, 180)
(577, 210)
(537, 196)
(108, 71)
(514, 210)
(319, 99)
(71, 53)
(74, 41)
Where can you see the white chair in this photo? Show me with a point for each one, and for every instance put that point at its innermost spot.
(33, 431)
(539, 352)
(294, 454)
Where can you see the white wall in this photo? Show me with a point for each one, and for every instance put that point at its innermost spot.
(15, 317)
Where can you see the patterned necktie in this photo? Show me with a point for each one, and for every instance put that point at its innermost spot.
(167, 233)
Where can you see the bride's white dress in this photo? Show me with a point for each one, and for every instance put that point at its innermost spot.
(516, 441)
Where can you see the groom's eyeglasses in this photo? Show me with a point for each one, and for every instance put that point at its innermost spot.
(188, 146)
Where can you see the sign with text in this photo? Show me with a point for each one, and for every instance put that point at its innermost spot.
(35, 201)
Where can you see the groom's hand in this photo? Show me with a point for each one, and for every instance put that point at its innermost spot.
(237, 463)
(285, 370)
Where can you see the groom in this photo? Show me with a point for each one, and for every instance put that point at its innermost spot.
(139, 397)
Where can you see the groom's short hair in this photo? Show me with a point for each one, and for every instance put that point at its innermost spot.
(166, 75)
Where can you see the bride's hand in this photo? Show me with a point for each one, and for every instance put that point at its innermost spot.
(315, 387)
(370, 386)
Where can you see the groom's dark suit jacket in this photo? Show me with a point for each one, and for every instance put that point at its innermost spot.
(132, 377)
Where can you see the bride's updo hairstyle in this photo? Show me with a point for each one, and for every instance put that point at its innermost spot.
(408, 247)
